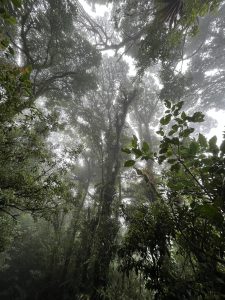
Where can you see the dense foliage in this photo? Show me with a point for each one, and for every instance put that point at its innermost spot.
(177, 241)
(85, 213)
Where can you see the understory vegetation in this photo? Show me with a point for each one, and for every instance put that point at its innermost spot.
(111, 185)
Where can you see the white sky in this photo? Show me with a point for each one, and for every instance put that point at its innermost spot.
(100, 10)
(218, 131)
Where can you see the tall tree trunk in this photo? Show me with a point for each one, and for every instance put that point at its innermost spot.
(107, 227)
(72, 234)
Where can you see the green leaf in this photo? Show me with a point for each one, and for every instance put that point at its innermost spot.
(222, 147)
(175, 167)
(167, 103)
(129, 163)
(126, 150)
(160, 132)
(213, 148)
(179, 105)
(169, 153)
(145, 147)
(163, 147)
(137, 152)
(175, 141)
(134, 141)
(175, 127)
(179, 121)
(193, 148)
(165, 120)
(197, 117)
(186, 132)
(16, 3)
(176, 112)
(171, 132)
(202, 140)
(209, 212)
(11, 20)
(183, 115)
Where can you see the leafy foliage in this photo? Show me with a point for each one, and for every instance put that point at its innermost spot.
(156, 30)
(29, 180)
(6, 18)
(63, 220)
(187, 219)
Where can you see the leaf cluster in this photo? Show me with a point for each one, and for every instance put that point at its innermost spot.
(191, 191)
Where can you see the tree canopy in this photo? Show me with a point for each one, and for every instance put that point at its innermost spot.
(110, 186)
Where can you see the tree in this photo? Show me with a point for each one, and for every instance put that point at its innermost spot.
(66, 214)
(102, 121)
(177, 242)
(30, 180)
(46, 39)
(154, 31)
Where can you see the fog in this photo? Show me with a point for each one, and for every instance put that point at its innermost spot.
(112, 150)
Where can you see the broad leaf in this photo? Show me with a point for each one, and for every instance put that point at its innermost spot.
(129, 163)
